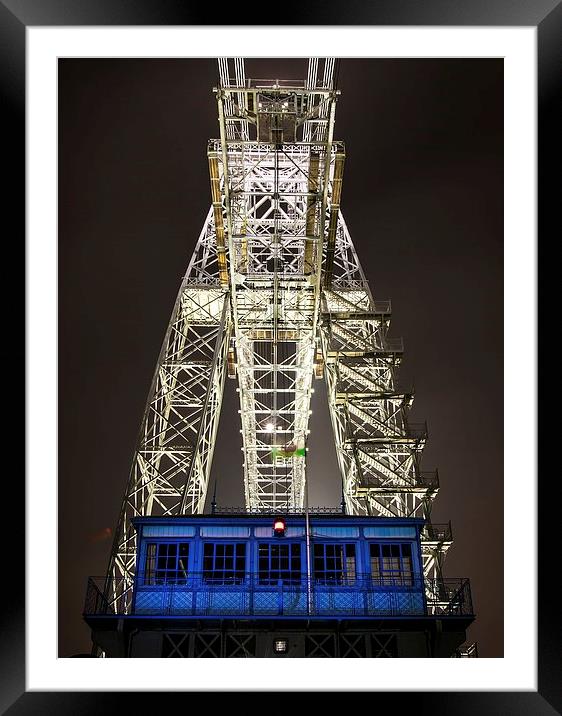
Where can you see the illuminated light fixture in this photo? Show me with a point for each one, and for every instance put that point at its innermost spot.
(279, 527)
(269, 427)
(280, 646)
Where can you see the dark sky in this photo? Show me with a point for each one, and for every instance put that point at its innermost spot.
(423, 200)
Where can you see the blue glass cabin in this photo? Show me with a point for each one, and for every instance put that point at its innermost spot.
(243, 567)
(345, 577)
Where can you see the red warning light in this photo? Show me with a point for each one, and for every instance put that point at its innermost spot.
(279, 527)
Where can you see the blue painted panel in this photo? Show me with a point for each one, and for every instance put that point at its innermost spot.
(402, 603)
(390, 532)
(226, 531)
(168, 531)
(222, 601)
(335, 532)
(339, 600)
(294, 601)
(152, 601)
(266, 602)
(181, 601)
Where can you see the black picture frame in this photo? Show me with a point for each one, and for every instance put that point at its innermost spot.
(546, 16)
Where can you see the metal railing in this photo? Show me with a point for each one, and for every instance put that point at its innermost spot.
(416, 430)
(217, 510)
(437, 533)
(393, 345)
(248, 594)
(409, 432)
(428, 478)
(272, 84)
(425, 480)
(375, 309)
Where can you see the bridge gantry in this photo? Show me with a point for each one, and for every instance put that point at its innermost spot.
(275, 297)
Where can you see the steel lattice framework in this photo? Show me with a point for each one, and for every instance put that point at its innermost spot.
(274, 295)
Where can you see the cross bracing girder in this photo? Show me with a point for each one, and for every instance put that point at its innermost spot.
(374, 377)
(381, 419)
(356, 302)
(433, 558)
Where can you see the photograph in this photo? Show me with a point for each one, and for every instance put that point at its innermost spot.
(243, 469)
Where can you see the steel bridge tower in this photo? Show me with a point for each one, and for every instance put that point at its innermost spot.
(275, 297)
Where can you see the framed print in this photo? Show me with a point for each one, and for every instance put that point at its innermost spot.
(102, 147)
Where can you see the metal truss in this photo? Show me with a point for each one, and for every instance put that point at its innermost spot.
(273, 173)
(274, 295)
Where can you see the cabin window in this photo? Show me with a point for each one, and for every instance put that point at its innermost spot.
(391, 564)
(224, 562)
(334, 563)
(279, 563)
(166, 563)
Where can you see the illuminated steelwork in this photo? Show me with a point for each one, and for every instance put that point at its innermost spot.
(275, 296)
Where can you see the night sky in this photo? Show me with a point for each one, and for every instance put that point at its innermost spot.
(423, 200)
